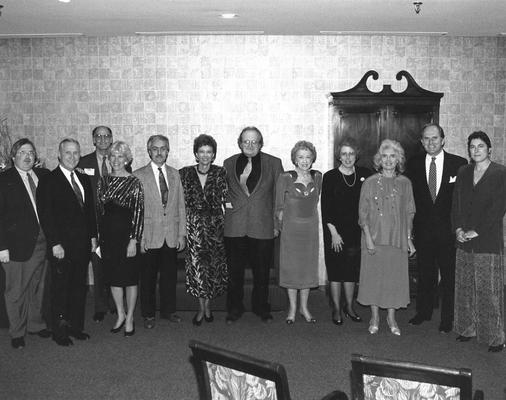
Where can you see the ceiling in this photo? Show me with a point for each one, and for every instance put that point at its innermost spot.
(270, 17)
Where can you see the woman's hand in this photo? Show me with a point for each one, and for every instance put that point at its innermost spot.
(337, 242)
(132, 248)
(369, 244)
(411, 247)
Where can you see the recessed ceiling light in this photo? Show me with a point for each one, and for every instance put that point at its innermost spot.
(228, 15)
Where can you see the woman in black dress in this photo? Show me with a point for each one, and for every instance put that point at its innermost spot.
(341, 232)
(121, 215)
(205, 191)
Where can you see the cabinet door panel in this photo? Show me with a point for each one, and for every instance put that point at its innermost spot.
(363, 126)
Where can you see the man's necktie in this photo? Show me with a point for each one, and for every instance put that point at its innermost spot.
(33, 186)
(433, 179)
(164, 190)
(245, 175)
(105, 172)
(77, 191)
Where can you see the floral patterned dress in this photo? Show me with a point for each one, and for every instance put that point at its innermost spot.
(205, 264)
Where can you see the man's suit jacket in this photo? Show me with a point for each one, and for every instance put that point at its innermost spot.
(433, 219)
(252, 215)
(162, 224)
(19, 227)
(62, 218)
(89, 164)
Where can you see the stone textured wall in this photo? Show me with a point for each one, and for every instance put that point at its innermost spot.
(185, 85)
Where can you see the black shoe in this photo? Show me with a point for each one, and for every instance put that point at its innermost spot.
(354, 318)
(496, 349)
(43, 333)
(130, 333)
(197, 322)
(99, 316)
(266, 317)
(79, 335)
(63, 341)
(418, 320)
(231, 318)
(149, 322)
(290, 321)
(309, 320)
(116, 330)
(18, 343)
(444, 328)
(210, 318)
(461, 338)
(337, 321)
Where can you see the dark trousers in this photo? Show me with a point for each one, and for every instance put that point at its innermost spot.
(257, 253)
(68, 290)
(161, 261)
(433, 254)
(101, 291)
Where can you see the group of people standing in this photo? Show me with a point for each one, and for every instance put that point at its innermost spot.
(132, 225)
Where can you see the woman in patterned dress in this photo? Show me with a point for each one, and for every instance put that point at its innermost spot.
(479, 204)
(120, 221)
(297, 196)
(205, 191)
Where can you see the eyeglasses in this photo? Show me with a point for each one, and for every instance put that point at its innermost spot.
(103, 137)
(250, 142)
(23, 153)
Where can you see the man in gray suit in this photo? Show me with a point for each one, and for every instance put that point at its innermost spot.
(249, 222)
(164, 232)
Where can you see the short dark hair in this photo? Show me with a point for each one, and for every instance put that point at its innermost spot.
(204, 140)
(348, 142)
(479, 135)
(433, 124)
(20, 143)
(96, 129)
(254, 129)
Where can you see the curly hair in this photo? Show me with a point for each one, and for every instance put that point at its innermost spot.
(303, 145)
(397, 148)
(122, 148)
(204, 140)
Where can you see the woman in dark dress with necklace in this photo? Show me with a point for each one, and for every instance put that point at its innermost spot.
(341, 232)
(121, 220)
(205, 191)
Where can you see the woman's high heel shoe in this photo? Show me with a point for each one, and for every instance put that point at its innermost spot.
(197, 322)
(337, 321)
(117, 329)
(309, 319)
(210, 318)
(354, 318)
(130, 333)
(394, 328)
(373, 327)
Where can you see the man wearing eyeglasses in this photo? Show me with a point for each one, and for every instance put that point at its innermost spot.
(22, 244)
(249, 223)
(96, 165)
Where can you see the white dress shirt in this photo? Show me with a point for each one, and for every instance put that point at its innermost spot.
(24, 177)
(66, 172)
(440, 158)
(157, 174)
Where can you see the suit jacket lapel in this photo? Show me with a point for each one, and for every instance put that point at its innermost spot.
(171, 183)
(445, 178)
(67, 188)
(25, 197)
(263, 165)
(151, 186)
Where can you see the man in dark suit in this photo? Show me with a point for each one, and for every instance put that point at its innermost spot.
(96, 165)
(249, 222)
(433, 176)
(67, 215)
(22, 244)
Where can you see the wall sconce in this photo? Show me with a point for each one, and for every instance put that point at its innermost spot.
(1, 6)
(418, 6)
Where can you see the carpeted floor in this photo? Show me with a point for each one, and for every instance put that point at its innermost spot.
(155, 364)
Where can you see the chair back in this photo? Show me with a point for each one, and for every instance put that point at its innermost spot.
(375, 378)
(224, 374)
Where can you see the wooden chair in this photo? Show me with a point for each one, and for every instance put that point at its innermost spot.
(407, 380)
(233, 376)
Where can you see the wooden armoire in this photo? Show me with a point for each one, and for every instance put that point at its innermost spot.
(369, 117)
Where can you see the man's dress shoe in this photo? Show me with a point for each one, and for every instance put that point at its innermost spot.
(79, 335)
(18, 343)
(418, 320)
(63, 340)
(99, 316)
(43, 333)
(173, 318)
(149, 322)
(496, 349)
(445, 328)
